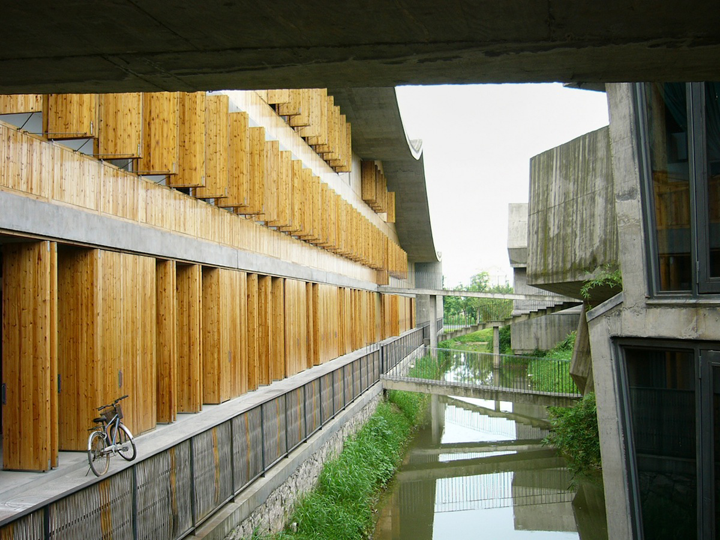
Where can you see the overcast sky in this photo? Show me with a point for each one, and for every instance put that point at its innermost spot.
(477, 145)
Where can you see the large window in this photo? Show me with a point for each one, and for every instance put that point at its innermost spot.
(680, 158)
(671, 418)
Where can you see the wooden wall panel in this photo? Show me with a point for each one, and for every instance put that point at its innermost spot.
(21, 103)
(161, 132)
(238, 334)
(273, 181)
(253, 338)
(189, 328)
(139, 299)
(191, 140)
(107, 340)
(71, 116)
(391, 207)
(78, 340)
(295, 326)
(377, 317)
(215, 345)
(29, 360)
(166, 344)
(283, 195)
(313, 356)
(120, 132)
(257, 172)
(217, 145)
(238, 162)
(277, 354)
(275, 97)
(265, 329)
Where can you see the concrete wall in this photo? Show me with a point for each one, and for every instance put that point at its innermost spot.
(571, 224)
(543, 333)
(517, 234)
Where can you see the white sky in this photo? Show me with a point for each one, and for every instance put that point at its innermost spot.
(477, 145)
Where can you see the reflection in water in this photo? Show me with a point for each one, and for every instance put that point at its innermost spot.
(479, 470)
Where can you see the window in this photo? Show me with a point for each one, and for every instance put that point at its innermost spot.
(671, 424)
(680, 167)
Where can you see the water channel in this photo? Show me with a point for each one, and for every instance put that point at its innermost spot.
(478, 470)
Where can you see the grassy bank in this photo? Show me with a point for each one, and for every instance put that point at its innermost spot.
(341, 505)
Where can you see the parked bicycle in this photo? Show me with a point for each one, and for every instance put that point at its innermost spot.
(109, 437)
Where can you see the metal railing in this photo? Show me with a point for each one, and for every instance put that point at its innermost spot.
(506, 372)
(169, 493)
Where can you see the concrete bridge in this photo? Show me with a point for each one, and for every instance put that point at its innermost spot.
(536, 381)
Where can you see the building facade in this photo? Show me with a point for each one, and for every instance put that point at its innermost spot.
(185, 249)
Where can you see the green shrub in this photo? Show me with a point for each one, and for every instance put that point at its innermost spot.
(574, 433)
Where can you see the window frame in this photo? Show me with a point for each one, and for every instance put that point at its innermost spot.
(702, 284)
(706, 356)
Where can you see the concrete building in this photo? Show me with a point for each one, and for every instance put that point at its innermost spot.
(540, 332)
(653, 345)
(641, 196)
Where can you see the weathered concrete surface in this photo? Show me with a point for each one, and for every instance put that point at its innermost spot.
(543, 333)
(571, 225)
(581, 363)
(125, 45)
(517, 234)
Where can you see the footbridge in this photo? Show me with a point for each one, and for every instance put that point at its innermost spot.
(497, 377)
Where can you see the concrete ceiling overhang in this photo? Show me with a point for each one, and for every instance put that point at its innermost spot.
(126, 45)
(378, 134)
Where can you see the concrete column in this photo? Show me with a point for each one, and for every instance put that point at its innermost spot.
(437, 418)
(496, 347)
(433, 322)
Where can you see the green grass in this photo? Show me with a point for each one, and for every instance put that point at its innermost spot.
(341, 506)
(476, 341)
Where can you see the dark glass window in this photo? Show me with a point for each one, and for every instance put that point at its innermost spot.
(712, 167)
(680, 136)
(661, 392)
(670, 172)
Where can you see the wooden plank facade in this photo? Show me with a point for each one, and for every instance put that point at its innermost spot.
(82, 326)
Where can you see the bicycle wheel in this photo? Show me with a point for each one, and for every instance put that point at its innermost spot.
(125, 443)
(98, 458)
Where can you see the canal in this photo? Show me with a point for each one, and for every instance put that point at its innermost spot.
(478, 469)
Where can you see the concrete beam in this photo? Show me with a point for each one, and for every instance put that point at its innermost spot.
(442, 388)
(474, 294)
(127, 45)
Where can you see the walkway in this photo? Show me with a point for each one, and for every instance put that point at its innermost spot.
(520, 379)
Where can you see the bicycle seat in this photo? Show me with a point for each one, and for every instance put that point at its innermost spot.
(99, 419)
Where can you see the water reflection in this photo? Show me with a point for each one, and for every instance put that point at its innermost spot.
(479, 470)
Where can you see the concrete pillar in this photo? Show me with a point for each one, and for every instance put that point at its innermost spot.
(437, 418)
(496, 347)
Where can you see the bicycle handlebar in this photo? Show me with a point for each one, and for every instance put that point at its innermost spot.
(101, 407)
